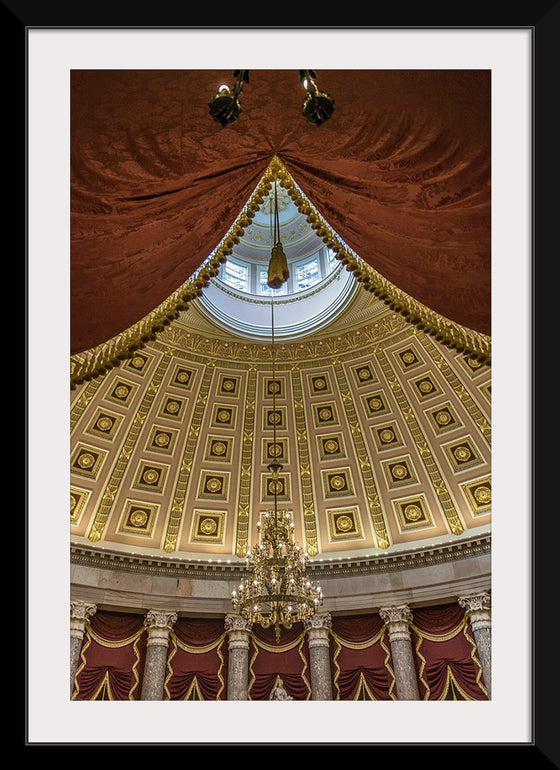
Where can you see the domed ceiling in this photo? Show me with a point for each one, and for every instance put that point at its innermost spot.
(382, 431)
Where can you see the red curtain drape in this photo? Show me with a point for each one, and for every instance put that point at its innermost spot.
(401, 172)
(361, 659)
(287, 658)
(447, 663)
(197, 661)
(112, 658)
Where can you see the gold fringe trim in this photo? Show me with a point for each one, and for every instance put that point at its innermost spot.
(100, 359)
(451, 334)
(170, 656)
(85, 645)
(199, 650)
(441, 638)
(97, 361)
(422, 667)
(357, 645)
(279, 647)
(122, 643)
(474, 657)
(387, 666)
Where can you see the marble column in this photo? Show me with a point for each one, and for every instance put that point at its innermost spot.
(80, 613)
(477, 608)
(318, 628)
(239, 632)
(397, 620)
(159, 624)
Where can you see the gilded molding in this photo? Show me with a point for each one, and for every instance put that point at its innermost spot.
(121, 464)
(424, 451)
(81, 403)
(98, 360)
(362, 454)
(478, 417)
(306, 481)
(245, 478)
(180, 494)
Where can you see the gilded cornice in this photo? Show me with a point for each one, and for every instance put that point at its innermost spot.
(286, 351)
(96, 361)
(360, 565)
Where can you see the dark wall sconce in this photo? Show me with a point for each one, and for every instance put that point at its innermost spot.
(225, 107)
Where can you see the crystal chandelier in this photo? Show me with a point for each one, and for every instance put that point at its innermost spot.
(277, 591)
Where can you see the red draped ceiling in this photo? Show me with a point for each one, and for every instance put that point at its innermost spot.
(401, 172)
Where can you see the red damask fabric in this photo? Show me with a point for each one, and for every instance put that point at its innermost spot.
(361, 659)
(287, 658)
(401, 172)
(446, 660)
(197, 661)
(112, 658)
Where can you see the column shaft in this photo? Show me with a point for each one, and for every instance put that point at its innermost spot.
(159, 624)
(80, 613)
(397, 620)
(478, 612)
(318, 628)
(238, 630)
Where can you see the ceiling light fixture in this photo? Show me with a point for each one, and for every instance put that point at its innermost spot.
(225, 107)
(318, 106)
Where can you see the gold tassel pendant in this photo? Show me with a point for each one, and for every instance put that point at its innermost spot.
(278, 272)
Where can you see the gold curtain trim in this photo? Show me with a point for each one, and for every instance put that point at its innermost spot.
(170, 657)
(474, 657)
(462, 626)
(100, 359)
(92, 636)
(362, 683)
(85, 645)
(442, 637)
(104, 682)
(336, 653)
(123, 643)
(358, 645)
(387, 666)
(451, 678)
(340, 643)
(176, 643)
(304, 669)
(220, 670)
(422, 667)
(198, 650)
(279, 649)
(135, 668)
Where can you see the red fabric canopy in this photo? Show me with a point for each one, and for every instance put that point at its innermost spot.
(401, 172)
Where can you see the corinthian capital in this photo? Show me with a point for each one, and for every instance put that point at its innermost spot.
(237, 623)
(82, 611)
(160, 619)
(396, 614)
(396, 619)
(475, 602)
(477, 607)
(320, 620)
